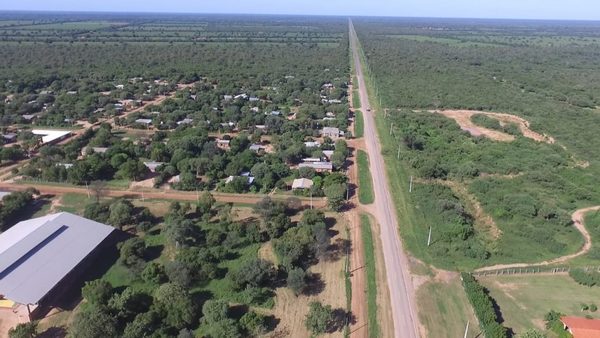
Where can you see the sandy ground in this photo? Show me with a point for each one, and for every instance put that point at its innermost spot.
(10, 318)
(463, 118)
(578, 218)
(292, 310)
(402, 293)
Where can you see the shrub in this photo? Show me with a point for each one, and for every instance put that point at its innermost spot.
(585, 278)
(483, 305)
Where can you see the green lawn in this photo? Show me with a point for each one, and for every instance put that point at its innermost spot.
(74, 203)
(359, 124)
(365, 181)
(367, 238)
(524, 300)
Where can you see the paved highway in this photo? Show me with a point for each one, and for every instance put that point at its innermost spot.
(396, 261)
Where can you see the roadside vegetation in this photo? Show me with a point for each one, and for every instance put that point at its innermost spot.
(359, 124)
(484, 307)
(365, 181)
(370, 265)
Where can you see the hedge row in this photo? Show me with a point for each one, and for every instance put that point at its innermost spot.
(484, 307)
(585, 278)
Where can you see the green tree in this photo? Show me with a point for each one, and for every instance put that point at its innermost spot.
(296, 280)
(255, 324)
(132, 253)
(143, 325)
(255, 273)
(319, 318)
(215, 310)
(93, 322)
(154, 273)
(176, 304)
(97, 292)
(206, 202)
(336, 196)
(24, 330)
(120, 213)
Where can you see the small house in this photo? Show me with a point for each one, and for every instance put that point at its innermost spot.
(581, 327)
(302, 183)
(317, 166)
(331, 132)
(223, 144)
(146, 122)
(152, 165)
(9, 137)
(312, 144)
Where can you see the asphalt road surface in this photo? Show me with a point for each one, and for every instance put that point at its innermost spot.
(396, 261)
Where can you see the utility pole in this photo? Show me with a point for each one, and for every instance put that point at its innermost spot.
(87, 188)
(311, 203)
(410, 184)
(466, 330)
(399, 147)
(391, 127)
(429, 243)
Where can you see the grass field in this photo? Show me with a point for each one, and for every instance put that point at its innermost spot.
(524, 300)
(355, 99)
(359, 124)
(367, 238)
(365, 181)
(444, 309)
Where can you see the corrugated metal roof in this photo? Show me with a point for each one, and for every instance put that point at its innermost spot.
(35, 255)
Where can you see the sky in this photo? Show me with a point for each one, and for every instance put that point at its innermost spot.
(510, 9)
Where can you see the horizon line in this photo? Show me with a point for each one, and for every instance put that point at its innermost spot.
(50, 11)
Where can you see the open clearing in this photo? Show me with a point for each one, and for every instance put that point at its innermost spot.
(444, 308)
(524, 300)
(292, 310)
(463, 118)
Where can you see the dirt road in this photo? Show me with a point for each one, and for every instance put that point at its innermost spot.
(155, 194)
(396, 261)
(578, 218)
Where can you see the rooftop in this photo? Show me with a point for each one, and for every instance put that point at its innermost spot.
(582, 327)
(49, 136)
(35, 255)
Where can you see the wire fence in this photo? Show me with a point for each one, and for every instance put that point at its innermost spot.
(558, 270)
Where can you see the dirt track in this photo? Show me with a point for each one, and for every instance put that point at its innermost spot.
(402, 294)
(154, 194)
(463, 118)
(578, 218)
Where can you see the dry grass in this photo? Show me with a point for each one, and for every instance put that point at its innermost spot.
(292, 310)
(524, 300)
(444, 308)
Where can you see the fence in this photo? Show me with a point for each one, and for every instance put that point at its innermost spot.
(558, 270)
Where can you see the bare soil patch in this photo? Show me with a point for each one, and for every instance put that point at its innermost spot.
(463, 118)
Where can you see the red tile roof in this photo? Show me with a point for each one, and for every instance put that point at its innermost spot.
(582, 327)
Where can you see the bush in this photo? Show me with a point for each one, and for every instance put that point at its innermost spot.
(585, 278)
(483, 305)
